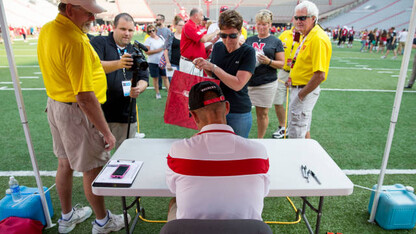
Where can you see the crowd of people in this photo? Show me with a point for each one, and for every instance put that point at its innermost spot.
(383, 41)
(91, 90)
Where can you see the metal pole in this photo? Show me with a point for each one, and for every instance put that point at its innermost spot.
(22, 112)
(396, 108)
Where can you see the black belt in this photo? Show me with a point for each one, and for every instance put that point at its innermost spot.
(288, 71)
(186, 59)
(69, 103)
(298, 86)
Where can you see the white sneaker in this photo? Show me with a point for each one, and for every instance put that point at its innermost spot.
(140, 135)
(383, 57)
(114, 223)
(79, 215)
(158, 96)
(394, 57)
(279, 133)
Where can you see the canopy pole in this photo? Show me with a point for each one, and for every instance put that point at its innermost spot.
(22, 112)
(396, 108)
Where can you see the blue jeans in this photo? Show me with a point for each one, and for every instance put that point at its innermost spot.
(240, 122)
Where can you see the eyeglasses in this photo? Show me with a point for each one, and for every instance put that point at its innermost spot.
(158, 19)
(181, 25)
(231, 35)
(150, 31)
(302, 18)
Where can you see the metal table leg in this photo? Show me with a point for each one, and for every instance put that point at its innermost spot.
(318, 211)
(125, 209)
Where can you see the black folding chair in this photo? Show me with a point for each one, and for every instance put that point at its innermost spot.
(214, 226)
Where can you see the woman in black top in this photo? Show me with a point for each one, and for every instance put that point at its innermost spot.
(262, 86)
(173, 50)
(234, 65)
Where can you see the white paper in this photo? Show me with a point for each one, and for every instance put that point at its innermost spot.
(169, 73)
(105, 175)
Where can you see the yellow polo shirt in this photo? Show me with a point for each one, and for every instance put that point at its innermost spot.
(287, 40)
(68, 62)
(314, 56)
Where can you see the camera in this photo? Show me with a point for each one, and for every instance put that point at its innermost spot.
(139, 60)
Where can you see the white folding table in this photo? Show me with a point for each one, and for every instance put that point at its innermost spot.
(286, 158)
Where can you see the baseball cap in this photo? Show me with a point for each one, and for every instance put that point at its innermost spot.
(89, 5)
(197, 93)
(223, 8)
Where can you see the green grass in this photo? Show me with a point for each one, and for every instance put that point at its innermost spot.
(351, 126)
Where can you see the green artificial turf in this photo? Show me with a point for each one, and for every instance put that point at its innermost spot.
(351, 126)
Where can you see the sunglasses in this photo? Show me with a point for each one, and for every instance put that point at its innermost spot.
(231, 35)
(302, 18)
(150, 31)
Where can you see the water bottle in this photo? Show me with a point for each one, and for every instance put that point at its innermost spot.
(15, 189)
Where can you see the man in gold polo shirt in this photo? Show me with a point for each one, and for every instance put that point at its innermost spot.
(309, 69)
(76, 85)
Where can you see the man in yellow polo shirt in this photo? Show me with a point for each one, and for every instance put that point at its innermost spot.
(309, 69)
(76, 85)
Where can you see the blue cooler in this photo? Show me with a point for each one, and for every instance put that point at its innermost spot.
(30, 208)
(396, 207)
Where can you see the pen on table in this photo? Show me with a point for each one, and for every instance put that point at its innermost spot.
(305, 175)
(314, 176)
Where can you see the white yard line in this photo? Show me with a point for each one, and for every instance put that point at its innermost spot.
(24, 66)
(347, 172)
(323, 89)
(28, 77)
(23, 55)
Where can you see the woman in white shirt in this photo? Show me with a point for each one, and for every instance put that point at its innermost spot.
(155, 46)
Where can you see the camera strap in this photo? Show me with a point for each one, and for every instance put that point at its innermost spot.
(121, 54)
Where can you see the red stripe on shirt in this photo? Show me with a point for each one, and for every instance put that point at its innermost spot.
(216, 130)
(194, 167)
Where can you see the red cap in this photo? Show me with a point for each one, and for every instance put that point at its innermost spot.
(223, 8)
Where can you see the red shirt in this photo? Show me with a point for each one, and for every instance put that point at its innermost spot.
(191, 47)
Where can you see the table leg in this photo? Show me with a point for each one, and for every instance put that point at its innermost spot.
(318, 211)
(126, 220)
(125, 209)
(319, 215)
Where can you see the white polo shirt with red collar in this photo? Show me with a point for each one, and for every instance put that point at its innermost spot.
(218, 175)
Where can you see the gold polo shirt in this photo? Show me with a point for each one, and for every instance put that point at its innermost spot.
(68, 62)
(314, 56)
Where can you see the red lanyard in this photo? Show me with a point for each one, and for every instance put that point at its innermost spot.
(297, 52)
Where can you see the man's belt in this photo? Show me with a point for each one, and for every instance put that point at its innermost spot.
(298, 86)
(288, 71)
(69, 103)
(186, 59)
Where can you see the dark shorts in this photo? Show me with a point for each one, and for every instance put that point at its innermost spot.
(156, 71)
(391, 46)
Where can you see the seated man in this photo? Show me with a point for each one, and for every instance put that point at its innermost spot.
(216, 174)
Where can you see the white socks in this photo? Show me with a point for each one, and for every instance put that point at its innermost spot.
(68, 215)
(103, 221)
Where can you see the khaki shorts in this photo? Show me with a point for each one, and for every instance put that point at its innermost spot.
(119, 131)
(300, 112)
(280, 96)
(75, 137)
(262, 95)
